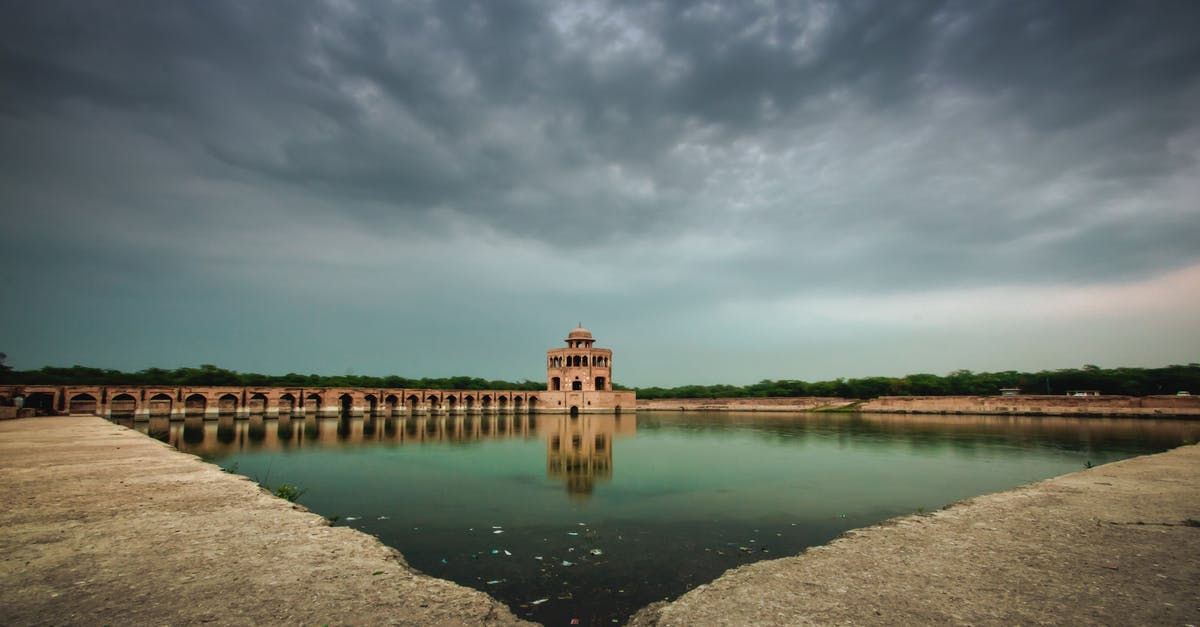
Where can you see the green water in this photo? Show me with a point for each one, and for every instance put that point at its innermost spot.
(600, 515)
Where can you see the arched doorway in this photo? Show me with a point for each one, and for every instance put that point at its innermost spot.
(372, 404)
(287, 404)
(502, 403)
(82, 404)
(486, 402)
(195, 405)
(533, 403)
(257, 403)
(122, 406)
(227, 405)
(517, 403)
(574, 411)
(413, 402)
(160, 405)
(451, 404)
(345, 404)
(390, 403)
(312, 404)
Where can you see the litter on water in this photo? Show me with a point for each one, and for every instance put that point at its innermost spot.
(596, 552)
(570, 533)
(566, 563)
(349, 518)
(494, 582)
(507, 553)
(539, 601)
(498, 531)
(537, 557)
(382, 518)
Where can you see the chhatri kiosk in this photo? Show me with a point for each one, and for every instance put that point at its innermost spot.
(579, 378)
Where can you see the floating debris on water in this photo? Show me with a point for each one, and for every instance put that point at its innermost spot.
(382, 518)
(498, 531)
(572, 533)
(566, 563)
(539, 601)
(507, 553)
(599, 552)
(351, 518)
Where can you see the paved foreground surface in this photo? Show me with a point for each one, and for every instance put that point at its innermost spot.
(101, 525)
(1110, 545)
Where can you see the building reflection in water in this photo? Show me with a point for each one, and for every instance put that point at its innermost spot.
(579, 449)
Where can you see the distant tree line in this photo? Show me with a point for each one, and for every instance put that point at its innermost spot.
(1128, 381)
(209, 374)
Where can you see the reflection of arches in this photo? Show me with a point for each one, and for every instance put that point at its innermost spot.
(312, 403)
(227, 404)
(577, 384)
(160, 405)
(122, 405)
(257, 403)
(195, 405)
(82, 404)
(287, 403)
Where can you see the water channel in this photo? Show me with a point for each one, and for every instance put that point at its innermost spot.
(593, 517)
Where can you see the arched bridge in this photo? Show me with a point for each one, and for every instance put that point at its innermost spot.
(142, 402)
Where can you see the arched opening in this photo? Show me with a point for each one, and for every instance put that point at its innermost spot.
(533, 403)
(469, 401)
(160, 405)
(312, 404)
(287, 404)
(82, 404)
(195, 405)
(122, 406)
(517, 403)
(41, 402)
(617, 410)
(345, 404)
(390, 403)
(577, 384)
(574, 411)
(227, 404)
(413, 402)
(433, 403)
(599, 383)
(556, 384)
(257, 403)
(486, 402)
(372, 404)
(451, 403)
(502, 402)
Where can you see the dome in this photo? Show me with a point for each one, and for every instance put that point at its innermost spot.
(579, 333)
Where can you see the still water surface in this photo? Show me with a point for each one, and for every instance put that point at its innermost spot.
(594, 517)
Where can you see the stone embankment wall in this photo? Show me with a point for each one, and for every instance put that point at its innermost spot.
(1038, 405)
(808, 403)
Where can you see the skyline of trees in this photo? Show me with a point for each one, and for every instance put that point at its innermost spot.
(1121, 380)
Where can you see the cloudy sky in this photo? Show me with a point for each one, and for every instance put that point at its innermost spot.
(722, 192)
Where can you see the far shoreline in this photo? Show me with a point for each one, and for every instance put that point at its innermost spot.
(1105, 406)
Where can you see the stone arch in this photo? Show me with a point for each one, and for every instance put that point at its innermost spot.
(287, 403)
(502, 403)
(372, 404)
(227, 404)
(160, 405)
(414, 401)
(451, 403)
(391, 403)
(517, 403)
(312, 404)
(533, 403)
(433, 402)
(574, 410)
(123, 405)
(257, 404)
(469, 401)
(345, 404)
(82, 404)
(195, 404)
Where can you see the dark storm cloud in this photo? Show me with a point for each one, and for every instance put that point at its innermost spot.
(937, 140)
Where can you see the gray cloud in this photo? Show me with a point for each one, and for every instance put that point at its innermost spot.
(676, 154)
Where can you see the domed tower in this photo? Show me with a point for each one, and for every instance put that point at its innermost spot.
(580, 366)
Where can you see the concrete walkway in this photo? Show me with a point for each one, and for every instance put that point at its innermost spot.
(1118, 545)
(103, 525)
